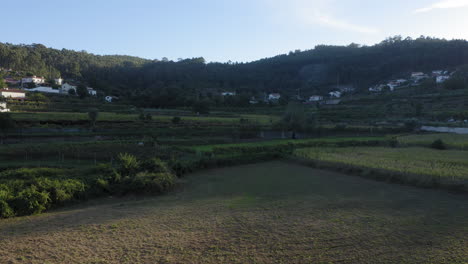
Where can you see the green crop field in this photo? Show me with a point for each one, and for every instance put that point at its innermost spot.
(449, 166)
(271, 212)
(108, 116)
(292, 142)
(451, 140)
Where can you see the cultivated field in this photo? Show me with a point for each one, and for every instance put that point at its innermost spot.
(451, 140)
(272, 212)
(449, 166)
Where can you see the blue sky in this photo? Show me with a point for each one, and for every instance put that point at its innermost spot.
(222, 30)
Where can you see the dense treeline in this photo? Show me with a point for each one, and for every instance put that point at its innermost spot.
(164, 83)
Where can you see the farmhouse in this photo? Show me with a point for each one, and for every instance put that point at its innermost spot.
(335, 94)
(11, 81)
(18, 94)
(442, 78)
(109, 98)
(418, 76)
(274, 97)
(33, 79)
(44, 89)
(228, 93)
(66, 87)
(3, 107)
(315, 98)
(91, 91)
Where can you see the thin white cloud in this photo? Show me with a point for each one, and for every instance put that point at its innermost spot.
(317, 13)
(333, 22)
(445, 4)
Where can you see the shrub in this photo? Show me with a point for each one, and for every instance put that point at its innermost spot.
(128, 165)
(393, 143)
(154, 165)
(30, 201)
(5, 210)
(176, 120)
(153, 182)
(438, 144)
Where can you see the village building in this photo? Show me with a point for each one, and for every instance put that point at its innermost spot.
(335, 94)
(33, 79)
(109, 98)
(11, 81)
(228, 93)
(441, 79)
(44, 89)
(315, 98)
(3, 107)
(274, 97)
(66, 87)
(10, 93)
(58, 81)
(91, 91)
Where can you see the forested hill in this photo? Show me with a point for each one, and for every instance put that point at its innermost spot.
(169, 83)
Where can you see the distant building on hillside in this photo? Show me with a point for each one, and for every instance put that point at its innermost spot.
(3, 107)
(58, 81)
(44, 89)
(253, 100)
(442, 78)
(66, 87)
(33, 79)
(228, 93)
(274, 97)
(11, 81)
(335, 94)
(418, 76)
(91, 91)
(10, 93)
(109, 98)
(315, 98)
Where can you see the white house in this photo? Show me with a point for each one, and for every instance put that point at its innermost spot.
(253, 100)
(315, 98)
(44, 89)
(19, 94)
(274, 97)
(418, 76)
(378, 88)
(67, 87)
(3, 107)
(228, 93)
(33, 79)
(109, 99)
(336, 94)
(442, 78)
(91, 91)
(58, 81)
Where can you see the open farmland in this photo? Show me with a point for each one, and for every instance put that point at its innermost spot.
(421, 165)
(451, 140)
(273, 212)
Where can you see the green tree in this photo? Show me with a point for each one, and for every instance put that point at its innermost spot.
(6, 124)
(93, 115)
(294, 118)
(82, 91)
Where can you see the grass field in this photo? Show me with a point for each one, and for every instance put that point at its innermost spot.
(280, 142)
(108, 116)
(451, 140)
(448, 165)
(272, 212)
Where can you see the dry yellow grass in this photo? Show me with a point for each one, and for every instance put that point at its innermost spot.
(272, 212)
